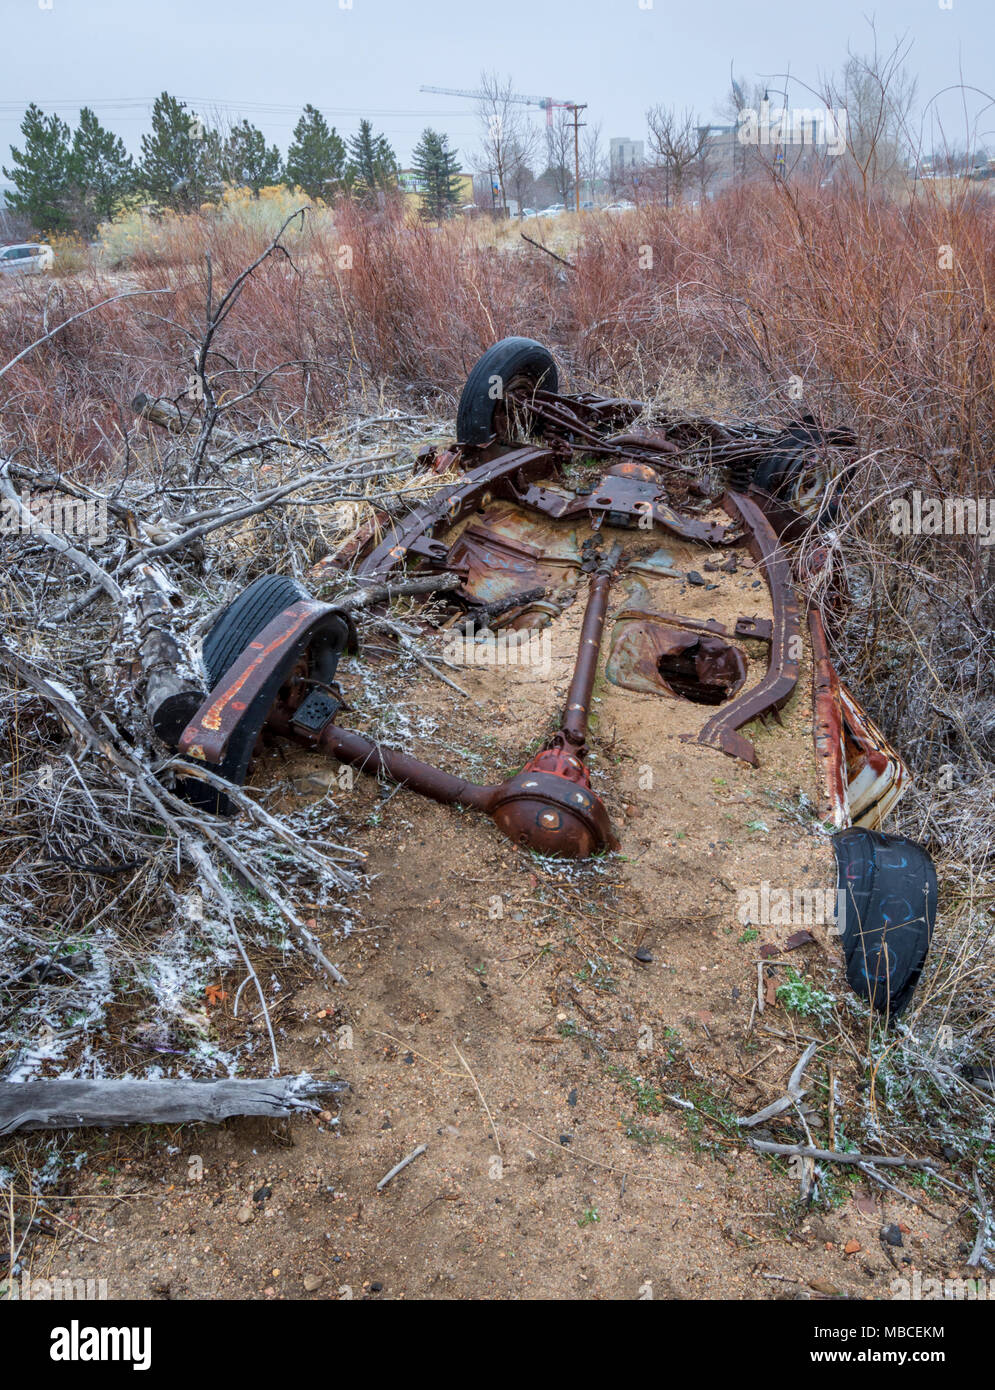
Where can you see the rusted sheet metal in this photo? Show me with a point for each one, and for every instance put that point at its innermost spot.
(625, 501)
(876, 775)
(862, 775)
(621, 501)
(782, 673)
(828, 725)
(508, 552)
(449, 505)
(651, 656)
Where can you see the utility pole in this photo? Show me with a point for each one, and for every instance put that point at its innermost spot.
(577, 108)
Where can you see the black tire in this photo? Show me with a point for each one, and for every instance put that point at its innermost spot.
(512, 360)
(797, 473)
(244, 618)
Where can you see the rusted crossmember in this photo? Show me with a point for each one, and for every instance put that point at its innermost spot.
(785, 648)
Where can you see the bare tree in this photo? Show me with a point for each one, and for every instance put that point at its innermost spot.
(521, 176)
(592, 159)
(560, 155)
(878, 93)
(678, 145)
(505, 131)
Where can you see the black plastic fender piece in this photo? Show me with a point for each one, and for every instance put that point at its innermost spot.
(886, 910)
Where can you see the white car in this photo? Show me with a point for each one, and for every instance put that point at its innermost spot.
(26, 258)
(623, 205)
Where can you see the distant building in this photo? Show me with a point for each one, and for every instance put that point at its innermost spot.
(412, 187)
(722, 153)
(624, 154)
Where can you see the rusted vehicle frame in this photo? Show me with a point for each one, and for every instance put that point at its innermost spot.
(511, 475)
(549, 805)
(624, 496)
(782, 672)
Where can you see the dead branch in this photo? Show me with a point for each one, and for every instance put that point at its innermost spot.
(63, 1104)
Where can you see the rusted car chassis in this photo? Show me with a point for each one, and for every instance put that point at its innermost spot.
(661, 475)
(268, 686)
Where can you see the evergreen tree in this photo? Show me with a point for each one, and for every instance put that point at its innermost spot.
(372, 165)
(41, 173)
(316, 158)
(176, 161)
(248, 162)
(437, 171)
(101, 173)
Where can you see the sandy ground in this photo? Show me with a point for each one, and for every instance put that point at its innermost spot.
(498, 1015)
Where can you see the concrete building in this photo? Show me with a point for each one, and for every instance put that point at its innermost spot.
(723, 154)
(624, 154)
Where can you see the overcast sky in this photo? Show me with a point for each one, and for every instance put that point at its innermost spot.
(264, 60)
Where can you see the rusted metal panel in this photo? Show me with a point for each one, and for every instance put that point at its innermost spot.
(863, 777)
(827, 725)
(876, 775)
(624, 501)
(207, 735)
(508, 552)
(782, 673)
(450, 504)
(651, 656)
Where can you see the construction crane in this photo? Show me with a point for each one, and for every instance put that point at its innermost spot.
(546, 104)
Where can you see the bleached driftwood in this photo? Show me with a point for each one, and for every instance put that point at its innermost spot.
(70, 1104)
(172, 693)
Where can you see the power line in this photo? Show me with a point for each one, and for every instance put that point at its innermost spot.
(272, 108)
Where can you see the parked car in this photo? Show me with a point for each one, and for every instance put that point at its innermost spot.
(528, 212)
(26, 258)
(623, 205)
(554, 210)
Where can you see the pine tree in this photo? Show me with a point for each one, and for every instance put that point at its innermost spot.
(101, 173)
(372, 165)
(437, 171)
(175, 157)
(41, 174)
(316, 158)
(248, 162)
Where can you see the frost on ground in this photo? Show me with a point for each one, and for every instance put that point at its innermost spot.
(120, 905)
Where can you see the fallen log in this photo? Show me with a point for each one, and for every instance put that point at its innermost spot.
(63, 1104)
(174, 690)
(160, 411)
